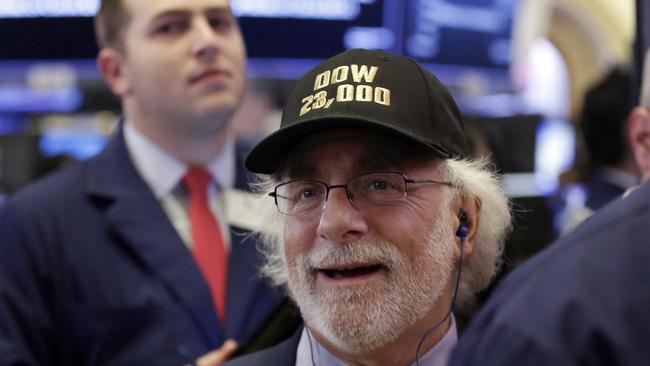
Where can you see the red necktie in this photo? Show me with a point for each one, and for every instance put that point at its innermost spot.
(209, 250)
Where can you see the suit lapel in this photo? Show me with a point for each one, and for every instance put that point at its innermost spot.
(289, 349)
(245, 289)
(134, 213)
(242, 289)
(242, 176)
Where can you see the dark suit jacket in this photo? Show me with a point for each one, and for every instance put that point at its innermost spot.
(283, 354)
(92, 272)
(601, 191)
(583, 301)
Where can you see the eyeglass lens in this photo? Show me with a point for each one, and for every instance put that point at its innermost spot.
(369, 190)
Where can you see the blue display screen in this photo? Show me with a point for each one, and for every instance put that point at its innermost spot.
(77, 144)
(465, 33)
(312, 29)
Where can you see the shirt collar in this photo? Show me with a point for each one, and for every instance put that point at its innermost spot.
(439, 354)
(618, 177)
(162, 172)
(222, 167)
(436, 356)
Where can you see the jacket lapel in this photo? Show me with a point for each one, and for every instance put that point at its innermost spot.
(250, 297)
(242, 270)
(137, 217)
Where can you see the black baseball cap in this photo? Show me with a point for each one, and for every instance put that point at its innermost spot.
(366, 89)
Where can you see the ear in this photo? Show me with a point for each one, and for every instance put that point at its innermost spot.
(112, 67)
(639, 138)
(471, 209)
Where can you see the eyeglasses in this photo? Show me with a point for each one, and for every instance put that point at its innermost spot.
(302, 197)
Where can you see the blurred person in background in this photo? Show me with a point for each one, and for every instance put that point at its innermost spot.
(130, 258)
(610, 168)
(381, 217)
(585, 299)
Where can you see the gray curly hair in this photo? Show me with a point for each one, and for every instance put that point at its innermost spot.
(475, 180)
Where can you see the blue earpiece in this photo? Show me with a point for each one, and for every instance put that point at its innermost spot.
(463, 229)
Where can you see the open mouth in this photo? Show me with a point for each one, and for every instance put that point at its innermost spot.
(352, 272)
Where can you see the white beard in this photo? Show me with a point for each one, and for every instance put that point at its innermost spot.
(362, 319)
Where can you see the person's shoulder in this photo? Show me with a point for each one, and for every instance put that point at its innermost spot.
(67, 186)
(600, 237)
(633, 207)
(610, 239)
(36, 211)
(579, 292)
(55, 188)
(602, 190)
(283, 353)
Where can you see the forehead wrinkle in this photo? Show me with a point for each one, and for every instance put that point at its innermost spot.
(377, 159)
(373, 159)
(382, 157)
(300, 169)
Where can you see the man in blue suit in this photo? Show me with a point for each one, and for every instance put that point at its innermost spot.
(98, 262)
(585, 299)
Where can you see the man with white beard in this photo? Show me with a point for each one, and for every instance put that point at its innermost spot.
(381, 221)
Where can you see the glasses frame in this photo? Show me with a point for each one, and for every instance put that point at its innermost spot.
(345, 186)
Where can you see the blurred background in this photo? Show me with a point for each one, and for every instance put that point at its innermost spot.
(518, 68)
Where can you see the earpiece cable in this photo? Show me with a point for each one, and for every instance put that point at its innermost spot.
(451, 306)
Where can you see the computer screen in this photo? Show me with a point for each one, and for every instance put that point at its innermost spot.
(286, 38)
(531, 151)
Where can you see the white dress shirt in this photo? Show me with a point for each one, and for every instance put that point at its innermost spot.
(436, 356)
(163, 173)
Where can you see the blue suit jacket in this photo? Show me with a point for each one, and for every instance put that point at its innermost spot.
(92, 272)
(283, 354)
(583, 301)
(601, 191)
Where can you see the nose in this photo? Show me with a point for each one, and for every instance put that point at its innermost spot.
(205, 40)
(340, 221)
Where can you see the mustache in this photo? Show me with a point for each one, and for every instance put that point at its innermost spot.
(363, 252)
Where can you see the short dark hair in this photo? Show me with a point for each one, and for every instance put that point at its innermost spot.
(110, 22)
(606, 107)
